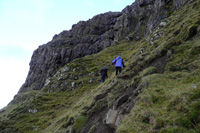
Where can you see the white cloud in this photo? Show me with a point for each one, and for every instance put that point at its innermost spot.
(29, 48)
(13, 73)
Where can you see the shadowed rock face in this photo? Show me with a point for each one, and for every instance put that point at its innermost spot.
(94, 35)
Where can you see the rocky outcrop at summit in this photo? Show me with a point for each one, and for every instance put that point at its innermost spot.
(94, 35)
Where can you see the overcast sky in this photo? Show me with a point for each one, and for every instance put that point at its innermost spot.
(26, 24)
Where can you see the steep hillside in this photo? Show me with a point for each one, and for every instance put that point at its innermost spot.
(158, 90)
(94, 35)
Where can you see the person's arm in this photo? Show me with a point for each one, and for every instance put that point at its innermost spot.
(113, 62)
(101, 71)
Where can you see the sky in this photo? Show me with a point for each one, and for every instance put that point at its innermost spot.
(26, 24)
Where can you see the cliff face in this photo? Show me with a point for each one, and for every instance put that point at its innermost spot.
(84, 38)
(94, 35)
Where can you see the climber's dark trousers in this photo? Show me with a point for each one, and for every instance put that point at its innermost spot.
(103, 77)
(118, 69)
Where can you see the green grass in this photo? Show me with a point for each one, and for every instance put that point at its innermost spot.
(168, 102)
(52, 108)
(165, 103)
(79, 123)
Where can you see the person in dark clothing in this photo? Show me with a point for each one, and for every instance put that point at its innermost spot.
(104, 74)
(118, 62)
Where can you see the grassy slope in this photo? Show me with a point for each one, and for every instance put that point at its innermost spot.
(169, 101)
(55, 109)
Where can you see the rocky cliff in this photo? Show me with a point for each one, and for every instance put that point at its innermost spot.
(94, 35)
(157, 91)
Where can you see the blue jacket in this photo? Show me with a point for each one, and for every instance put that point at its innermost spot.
(118, 62)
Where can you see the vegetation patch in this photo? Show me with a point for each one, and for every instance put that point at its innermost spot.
(79, 123)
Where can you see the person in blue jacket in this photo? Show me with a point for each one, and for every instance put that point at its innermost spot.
(118, 62)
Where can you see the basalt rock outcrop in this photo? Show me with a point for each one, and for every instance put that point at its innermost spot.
(94, 35)
(84, 38)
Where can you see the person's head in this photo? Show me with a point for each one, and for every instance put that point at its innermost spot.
(118, 57)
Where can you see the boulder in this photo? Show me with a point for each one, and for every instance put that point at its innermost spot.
(114, 119)
(162, 24)
(65, 69)
(111, 117)
(32, 111)
(47, 82)
(73, 84)
(90, 80)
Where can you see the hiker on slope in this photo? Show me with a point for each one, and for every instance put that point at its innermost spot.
(118, 62)
(104, 74)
